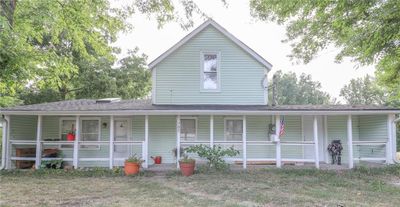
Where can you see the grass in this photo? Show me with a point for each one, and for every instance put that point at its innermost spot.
(265, 187)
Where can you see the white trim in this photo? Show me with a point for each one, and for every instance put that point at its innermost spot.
(154, 86)
(38, 142)
(244, 145)
(218, 54)
(199, 112)
(76, 142)
(146, 141)
(211, 22)
(302, 135)
(278, 143)
(316, 146)
(178, 140)
(350, 141)
(111, 145)
(195, 125)
(230, 119)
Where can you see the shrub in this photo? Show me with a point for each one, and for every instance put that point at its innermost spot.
(214, 155)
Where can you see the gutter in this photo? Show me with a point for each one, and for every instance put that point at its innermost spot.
(6, 122)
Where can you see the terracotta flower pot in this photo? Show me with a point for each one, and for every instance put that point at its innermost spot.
(131, 168)
(187, 168)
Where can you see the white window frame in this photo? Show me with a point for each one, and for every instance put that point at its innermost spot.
(230, 119)
(202, 53)
(196, 127)
(81, 129)
(61, 119)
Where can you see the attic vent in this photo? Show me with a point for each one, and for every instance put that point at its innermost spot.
(108, 100)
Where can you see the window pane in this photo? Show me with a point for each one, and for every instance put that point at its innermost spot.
(188, 129)
(89, 137)
(210, 63)
(210, 81)
(67, 126)
(234, 130)
(90, 126)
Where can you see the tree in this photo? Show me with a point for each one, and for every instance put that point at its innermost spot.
(291, 90)
(366, 31)
(364, 91)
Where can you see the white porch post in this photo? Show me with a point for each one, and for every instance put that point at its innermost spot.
(178, 140)
(350, 140)
(112, 125)
(278, 141)
(146, 141)
(389, 159)
(394, 138)
(211, 131)
(8, 143)
(315, 127)
(244, 142)
(76, 142)
(38, 142)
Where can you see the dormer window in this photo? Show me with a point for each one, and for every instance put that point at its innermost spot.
(210, 71)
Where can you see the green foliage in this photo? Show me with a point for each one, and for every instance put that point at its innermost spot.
(292, 90)
(57, 50)
(214, 155)
(7, 101)
(364, 91)
(366, 31)
(52, 164)
(186, 159)
(134, 159)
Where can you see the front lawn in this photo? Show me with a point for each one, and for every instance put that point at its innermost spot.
(267, 187)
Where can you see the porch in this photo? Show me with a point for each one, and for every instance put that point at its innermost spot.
(367, 138)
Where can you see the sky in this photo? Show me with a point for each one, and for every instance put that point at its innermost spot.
(263, 37)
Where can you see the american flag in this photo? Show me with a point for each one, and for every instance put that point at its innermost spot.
(282, 129)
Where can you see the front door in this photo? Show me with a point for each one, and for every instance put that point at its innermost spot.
(121, 133)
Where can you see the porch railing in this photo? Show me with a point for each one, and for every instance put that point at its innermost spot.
(33, 143)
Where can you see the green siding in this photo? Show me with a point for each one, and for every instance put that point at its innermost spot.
(372, 128)
(293, 132)
(178, 76)
(162, 137)
(23, 127)
(337, 129)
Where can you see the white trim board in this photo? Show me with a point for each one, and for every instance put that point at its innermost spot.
(207, 23)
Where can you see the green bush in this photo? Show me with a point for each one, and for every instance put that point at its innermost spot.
(215, 155)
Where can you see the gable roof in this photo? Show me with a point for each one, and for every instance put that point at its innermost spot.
(207, 23)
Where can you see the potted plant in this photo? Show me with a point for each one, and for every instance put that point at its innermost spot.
(71, 135)
(132, 165)
(187, 165)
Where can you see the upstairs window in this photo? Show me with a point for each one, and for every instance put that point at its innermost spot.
(210, 71)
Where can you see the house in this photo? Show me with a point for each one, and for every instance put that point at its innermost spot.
(209, 88)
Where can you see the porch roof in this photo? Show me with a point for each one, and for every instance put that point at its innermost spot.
(90, 105)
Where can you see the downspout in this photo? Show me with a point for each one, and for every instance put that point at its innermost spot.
(6, 122)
